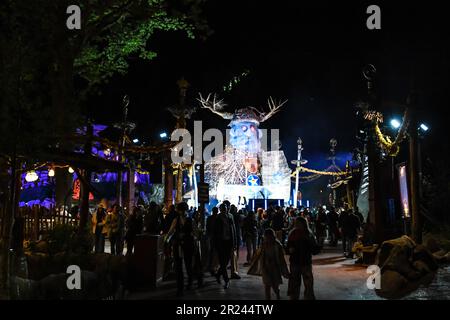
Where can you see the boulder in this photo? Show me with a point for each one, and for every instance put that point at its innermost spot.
(392, 285)
(42, 247)
(404, 244)
(421, 253)
(404, 267)
(432, 244)
(93, 286)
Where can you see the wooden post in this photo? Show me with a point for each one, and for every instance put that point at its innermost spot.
(84, 187)
(131, 190)
(168, 179)
(179, 194)
(414, 181)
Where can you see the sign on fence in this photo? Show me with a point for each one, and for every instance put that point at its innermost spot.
(203, 192)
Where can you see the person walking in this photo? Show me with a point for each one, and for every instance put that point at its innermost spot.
(235, 251)
(134, 226)
(333, 219)
(98, 226)
(250, 235)
(270, 264)
(113, 226)
(343, 226)
(321, 225)
(359, 215)
(278, 223)
(168, 215)
(225, 242)
(351, 227)
(301, 246)
(211, 238)
(183, 246)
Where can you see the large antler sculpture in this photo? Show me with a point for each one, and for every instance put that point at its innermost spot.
(273, 108)
(216, 106)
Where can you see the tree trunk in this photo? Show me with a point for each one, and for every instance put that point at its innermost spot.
(7, 227)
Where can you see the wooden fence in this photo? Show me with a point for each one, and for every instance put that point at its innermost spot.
(39, 220)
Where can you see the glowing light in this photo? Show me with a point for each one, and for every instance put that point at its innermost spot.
(107, 152)
(71, 170)
(395, 123)
(31, 176)
(163, 135)
(51, 173)
(136, 140)
(424, 127)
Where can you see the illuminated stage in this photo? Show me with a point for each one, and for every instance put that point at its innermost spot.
(244, 169)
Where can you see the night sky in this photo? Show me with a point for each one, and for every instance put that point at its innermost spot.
(311, 53)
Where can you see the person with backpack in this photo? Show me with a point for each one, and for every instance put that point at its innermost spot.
(300, 247)
(183, 243)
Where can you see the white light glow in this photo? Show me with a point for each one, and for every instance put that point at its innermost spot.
(395, 123)
(31, 176)
(163, 135)
(424, 127)
(71, 170)
(51, 173)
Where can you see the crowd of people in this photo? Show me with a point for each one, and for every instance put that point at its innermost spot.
(210, 242)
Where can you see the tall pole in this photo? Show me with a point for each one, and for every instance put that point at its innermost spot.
(125, 127)
(375, 215)
(297, 175)
(333, 144)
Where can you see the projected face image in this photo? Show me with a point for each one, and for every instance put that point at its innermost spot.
(245, 136)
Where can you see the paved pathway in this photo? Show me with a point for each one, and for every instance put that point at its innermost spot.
(336, 278)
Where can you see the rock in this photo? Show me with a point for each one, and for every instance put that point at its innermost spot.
(421, 267)
(42, 247)
(393, 285)
(23, 288)
(38, 265)
(404, 242)
(432, 244)
(421, 253)
(404, 265)
(93, 286)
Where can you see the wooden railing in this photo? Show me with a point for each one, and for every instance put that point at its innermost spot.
(39, 220)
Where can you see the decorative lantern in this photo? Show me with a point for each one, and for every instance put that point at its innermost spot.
(31, 176)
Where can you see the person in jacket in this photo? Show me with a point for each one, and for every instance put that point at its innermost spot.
(134, 226)
(233, 212)
(113, 224)
(332, 219)
(212, 248)
(273, 264)
(98, 227)
(300, 248)
(250, 235)
(225, 240)
(351, 227)
(181, 236)
(321, 226)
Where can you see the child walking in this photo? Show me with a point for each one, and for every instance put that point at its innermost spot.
(271, 264)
